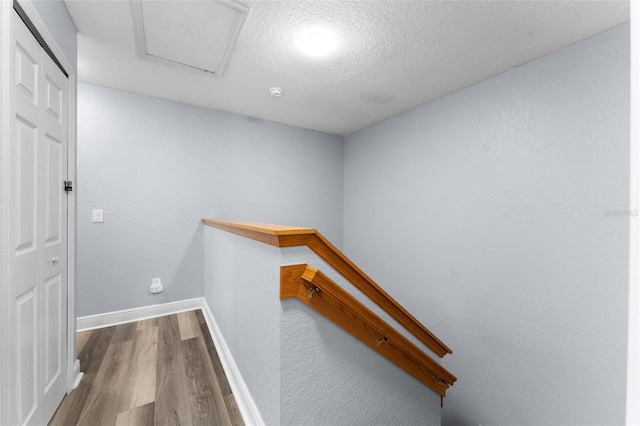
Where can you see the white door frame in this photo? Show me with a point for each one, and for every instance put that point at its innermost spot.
(633, 347)
(73, 365)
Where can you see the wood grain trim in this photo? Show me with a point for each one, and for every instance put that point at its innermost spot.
(289, 236)
(315, 289)
(290, 280)
(327, 251)
(264, 232)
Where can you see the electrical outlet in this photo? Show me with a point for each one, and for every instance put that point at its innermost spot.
(156, 285)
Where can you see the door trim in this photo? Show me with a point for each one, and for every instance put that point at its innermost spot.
(6, 10)
(5, 40)
(633, 347)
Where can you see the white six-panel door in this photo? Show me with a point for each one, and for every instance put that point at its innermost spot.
(37, 230)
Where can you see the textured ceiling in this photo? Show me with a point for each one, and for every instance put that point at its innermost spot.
(391, 57)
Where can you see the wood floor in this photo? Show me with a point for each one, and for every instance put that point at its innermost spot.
(161, 371)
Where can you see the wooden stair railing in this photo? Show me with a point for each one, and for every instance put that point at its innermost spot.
(290, 236)
(315, 289)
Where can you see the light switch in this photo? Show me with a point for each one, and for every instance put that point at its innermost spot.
(98, 216)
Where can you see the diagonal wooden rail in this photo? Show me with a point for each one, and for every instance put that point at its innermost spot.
(318, 291)
(291, 236)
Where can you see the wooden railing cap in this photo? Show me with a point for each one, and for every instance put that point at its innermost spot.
(292, 236)
(267, 228)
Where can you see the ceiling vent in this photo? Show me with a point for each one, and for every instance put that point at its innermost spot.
(196, 35)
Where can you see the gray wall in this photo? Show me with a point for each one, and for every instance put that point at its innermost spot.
(157, 167)
(498, 221)
(322, 362)
(242, 278)
(301, 368)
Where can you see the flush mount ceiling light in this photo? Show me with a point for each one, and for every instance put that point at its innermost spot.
(316, 41)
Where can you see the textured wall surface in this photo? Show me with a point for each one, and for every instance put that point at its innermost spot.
(500, 225)
(157, 167)
(242, 279)
(331, 378)
(303, 255)
(301, 368)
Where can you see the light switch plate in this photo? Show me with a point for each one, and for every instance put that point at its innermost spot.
(98, 216)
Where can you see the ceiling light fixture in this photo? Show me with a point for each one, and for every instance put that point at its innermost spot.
(316, 41)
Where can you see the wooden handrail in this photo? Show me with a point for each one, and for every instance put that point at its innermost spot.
(290, 236)
(315, 289)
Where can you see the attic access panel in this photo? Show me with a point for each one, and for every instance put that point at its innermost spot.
(197, 35)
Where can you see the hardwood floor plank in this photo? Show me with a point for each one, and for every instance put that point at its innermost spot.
(124, 332)
(91, 357)
(204, 391)
(230, 400)
(104, 401)
(213, 354)
(81, 339)
(232, 409)
(171, 408)
(123, 418)
(68, 413)
(140, 385)
(148, 323)
(144, 373)
(144, 415)
(94, 349)
(137, 416)
(189, 327)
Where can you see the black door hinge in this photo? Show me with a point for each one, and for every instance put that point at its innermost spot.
(68, 186)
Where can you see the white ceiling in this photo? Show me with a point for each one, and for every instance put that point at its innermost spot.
(391, 57)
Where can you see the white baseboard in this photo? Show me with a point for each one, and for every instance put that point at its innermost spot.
(246, 405)
(108, 319)
(77, 374)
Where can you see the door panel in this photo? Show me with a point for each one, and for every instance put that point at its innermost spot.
(27, 69)
(25, 162)
(23, 198)
(54, 99)
(23, 154)
(54, 194)
(53, 238)
(27, 362)
(52, 340)
(37, 230)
